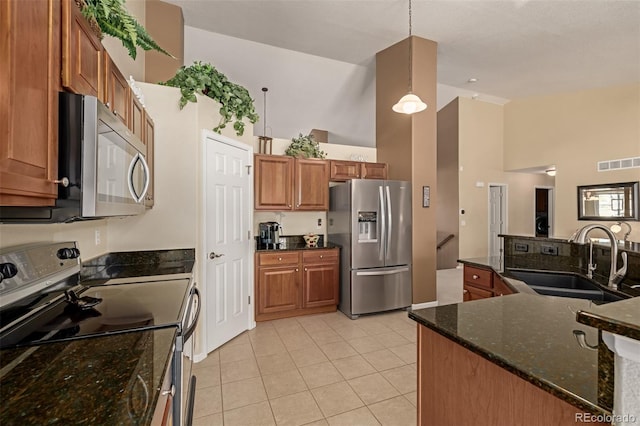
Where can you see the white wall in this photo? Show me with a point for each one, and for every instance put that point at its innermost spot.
(305, 91)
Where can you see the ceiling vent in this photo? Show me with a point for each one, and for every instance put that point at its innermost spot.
(624, 163)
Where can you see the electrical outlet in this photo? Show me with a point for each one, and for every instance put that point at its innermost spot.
(98, 240)
(319, 225)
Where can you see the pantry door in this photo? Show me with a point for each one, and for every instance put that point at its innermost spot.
(228, 249)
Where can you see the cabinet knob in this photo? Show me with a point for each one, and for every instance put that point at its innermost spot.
(297, 269)
(305, 269)
(465, 291)
(62, 181)
(288, 205)
(475, 277)
(108, 105)
(279, 258)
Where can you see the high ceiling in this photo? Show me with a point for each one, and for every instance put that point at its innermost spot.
(515, 48)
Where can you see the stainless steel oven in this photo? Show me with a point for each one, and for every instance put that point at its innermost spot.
(43, 303)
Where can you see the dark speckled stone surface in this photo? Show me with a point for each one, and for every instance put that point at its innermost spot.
(95, 381)
(137, 264)
(530, 336)
(621, 318)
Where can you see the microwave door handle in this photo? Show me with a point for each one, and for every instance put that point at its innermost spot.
(136, 158)
(147, 177)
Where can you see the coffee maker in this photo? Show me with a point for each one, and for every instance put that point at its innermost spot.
(269, 235)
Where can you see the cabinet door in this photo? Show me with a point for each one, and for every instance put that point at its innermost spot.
(278, 289)
(136, 117)
(500, 288)
(478, 277)
(81, 53)
(344, 170)
(273, 180)
(29, 84)
(373, 170)
(149, 141)
(116, 90)
(320, 285)
(470, 292)
(311, 184)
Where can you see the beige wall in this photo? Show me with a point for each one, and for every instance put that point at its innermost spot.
(574, 131)
(408, 144)
(165, 23)
(481, 149)
(447, 207)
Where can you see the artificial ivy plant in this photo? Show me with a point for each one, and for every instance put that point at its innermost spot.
(204, 79)
(114, 20)
(304, 146)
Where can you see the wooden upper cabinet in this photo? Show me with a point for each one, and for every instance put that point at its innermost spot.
(136, 117)
(373, 170)
(81, 53)
(149, 141)
(273, 180)
(117, 91)
(311, 184)
(344, 170)
(29, 84)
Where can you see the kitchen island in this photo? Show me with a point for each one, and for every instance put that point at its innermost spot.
(506, 360)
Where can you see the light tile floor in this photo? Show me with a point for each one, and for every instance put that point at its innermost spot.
(321, 369)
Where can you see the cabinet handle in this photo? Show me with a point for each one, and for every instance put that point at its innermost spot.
(62, 181)
(475, 277)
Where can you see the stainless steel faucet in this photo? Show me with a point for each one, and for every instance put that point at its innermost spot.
(615, 275)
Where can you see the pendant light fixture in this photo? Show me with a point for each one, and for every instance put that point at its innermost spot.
(410, 103)
(265, 141)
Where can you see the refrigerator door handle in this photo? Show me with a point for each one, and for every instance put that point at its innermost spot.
(383, 225)
(395, 271)
(389, 221)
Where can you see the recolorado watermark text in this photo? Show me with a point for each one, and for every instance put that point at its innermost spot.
(606, 418)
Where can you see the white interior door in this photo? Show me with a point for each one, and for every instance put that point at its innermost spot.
(228, 193)
(497, 218)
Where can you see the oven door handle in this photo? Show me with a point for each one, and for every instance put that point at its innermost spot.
(192, 327)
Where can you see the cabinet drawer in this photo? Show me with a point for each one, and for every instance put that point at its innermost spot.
(470, 292)
(284, 258)
(477, 277)
(319, 256)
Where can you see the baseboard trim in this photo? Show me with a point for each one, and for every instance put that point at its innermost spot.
(424, 305)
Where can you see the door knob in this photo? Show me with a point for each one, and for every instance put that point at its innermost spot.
(213, 255)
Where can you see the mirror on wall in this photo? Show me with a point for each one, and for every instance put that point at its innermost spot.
(612, 201)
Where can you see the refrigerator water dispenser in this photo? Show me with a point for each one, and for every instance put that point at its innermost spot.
(367, 227)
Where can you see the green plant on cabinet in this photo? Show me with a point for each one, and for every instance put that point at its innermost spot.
(304, 146)
(113, 19)
(205, 79)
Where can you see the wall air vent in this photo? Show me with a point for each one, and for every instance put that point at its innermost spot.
(624, 163)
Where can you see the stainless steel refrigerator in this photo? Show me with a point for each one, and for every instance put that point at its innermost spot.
(371, 220)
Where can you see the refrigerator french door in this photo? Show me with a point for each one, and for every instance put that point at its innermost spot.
(371, 221)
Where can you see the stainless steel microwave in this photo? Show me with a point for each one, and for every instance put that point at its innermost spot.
(101, 163)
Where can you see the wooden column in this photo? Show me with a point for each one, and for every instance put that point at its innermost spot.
(408, 144)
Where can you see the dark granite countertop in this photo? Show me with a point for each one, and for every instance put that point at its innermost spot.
(302, 246)
(530, 336)
(119, 265)
(94, 381)
(621, 317)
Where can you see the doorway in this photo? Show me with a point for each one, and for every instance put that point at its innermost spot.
(543, 225)
(227, 252)
(497, 217)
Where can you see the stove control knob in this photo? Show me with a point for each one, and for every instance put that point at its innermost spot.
(68, 253)
(7, 270)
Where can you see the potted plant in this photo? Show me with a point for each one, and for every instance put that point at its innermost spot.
(113, 19)
(304, 146)
(204, 79)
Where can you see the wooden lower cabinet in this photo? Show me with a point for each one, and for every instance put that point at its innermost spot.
(278, 289)
(480, 283)
(459, 387)
(292, 283)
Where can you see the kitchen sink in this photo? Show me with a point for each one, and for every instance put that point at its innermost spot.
(564, 284)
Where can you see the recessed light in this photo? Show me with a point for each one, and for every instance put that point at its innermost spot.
(472, 80)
